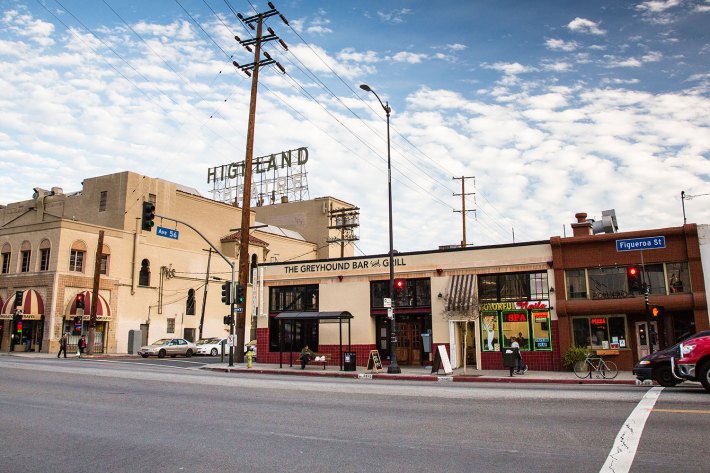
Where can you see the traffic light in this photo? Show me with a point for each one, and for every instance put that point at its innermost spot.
(80, 301)
(633, 275)
(18, 298)
(399, 286)
(656, 311)
(227, 320)
(148, 216)
(226, 293)
(241, 293)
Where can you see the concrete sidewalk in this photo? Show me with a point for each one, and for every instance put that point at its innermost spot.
(408, 373)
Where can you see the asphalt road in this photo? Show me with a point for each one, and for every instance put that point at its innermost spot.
(169, 416)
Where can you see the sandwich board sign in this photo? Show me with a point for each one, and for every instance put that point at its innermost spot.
(441, 361)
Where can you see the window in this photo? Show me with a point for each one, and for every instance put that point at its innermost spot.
(538, 287)
(76, 261)
(102, 201)
(103, 268)
(488, 288)
(655, 278)
(489, 331)
(293, 298)
(144, 275)
(296, 334)
(608, 283)
(576, 281)
(513, 287)
(44, 259)
(25, 255)
(5, 263)
(542, 339)
(678, 277)
(601, 332)
(515, 324)
(190, 304)
(171, 325)
(415, 293)
(252, 268)
(152, 198)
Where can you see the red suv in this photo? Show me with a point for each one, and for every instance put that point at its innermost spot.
(693, 361)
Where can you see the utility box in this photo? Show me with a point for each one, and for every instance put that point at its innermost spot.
(134, 341)
(349, 361)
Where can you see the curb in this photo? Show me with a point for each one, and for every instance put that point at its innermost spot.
(427, 378)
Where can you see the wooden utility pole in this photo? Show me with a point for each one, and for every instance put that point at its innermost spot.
(204, 292)
(463, 210)
(95, 294)
(243, 274)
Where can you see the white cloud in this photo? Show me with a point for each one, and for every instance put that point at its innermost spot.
(394, 16)
(582, 25)
(456, 47)
(410, 58)
(561, 45)
(657, 6)
(508, 68)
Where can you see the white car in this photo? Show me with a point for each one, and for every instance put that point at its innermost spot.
(168, 346)
(211, 346)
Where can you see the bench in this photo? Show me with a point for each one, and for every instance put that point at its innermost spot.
(322, 359)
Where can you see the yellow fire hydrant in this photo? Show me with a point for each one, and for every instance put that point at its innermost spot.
(250, 356)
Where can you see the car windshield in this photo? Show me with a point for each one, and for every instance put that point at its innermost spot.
(205, 341)
(162, 341)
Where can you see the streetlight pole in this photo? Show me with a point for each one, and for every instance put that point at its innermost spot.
(393, 368)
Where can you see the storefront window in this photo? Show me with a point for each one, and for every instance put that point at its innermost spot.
(487, 288)
(541, 330)
(678, 277)
(414, 293)
(293, 298)
(538, 287)
(601, 332)
(655, 278)
(513, 287)
(489, 331)
(515, 324)
(608, 283)
(576, 280)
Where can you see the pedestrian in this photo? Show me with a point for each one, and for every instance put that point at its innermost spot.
(520, 366)
(81, 346)
(306, 356)
(63, 344)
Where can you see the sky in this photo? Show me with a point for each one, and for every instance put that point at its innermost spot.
(547, 108)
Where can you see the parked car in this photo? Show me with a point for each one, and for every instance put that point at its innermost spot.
(168, 346)
(211, 346)
(657, 366)
(693, 362)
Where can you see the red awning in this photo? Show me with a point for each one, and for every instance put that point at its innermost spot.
(103, 309)
(32, 305)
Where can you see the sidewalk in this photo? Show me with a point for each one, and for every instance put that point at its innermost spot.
(408, 373)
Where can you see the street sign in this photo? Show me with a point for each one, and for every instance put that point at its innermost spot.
(167, 233)
(240, 309)
(390, 313)
(646, 243)
(230, 340)
(387, 302)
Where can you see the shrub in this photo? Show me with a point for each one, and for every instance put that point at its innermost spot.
(573, 355)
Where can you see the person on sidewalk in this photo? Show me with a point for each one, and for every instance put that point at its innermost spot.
(306, 356)
(63, 344)
(521, 368)
(81, 346)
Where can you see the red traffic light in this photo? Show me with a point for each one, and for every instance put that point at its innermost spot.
(633, 271)
(80, 301)
(399, 284)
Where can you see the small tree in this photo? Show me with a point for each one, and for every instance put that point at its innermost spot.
(462, 308)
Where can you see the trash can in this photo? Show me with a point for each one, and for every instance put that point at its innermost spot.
(349, 361)
(426, 342)
(510, 358)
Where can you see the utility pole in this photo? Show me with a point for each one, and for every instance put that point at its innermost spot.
(204, 293)
(463, 210)
(95, 294)
(243, 276)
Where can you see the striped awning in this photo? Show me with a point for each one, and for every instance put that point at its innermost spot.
(32, 306)
(103, 309)
(460, 296)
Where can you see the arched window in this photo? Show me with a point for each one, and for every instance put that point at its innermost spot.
(6, 252)
(77, 256)
(105, 258)
(25, 255)
(144, 276)
(253, 267)
(190, 305)
(44, 251)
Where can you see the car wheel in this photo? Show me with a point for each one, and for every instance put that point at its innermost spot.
(664, 377)
(188, 353)
(704, 375)
(144, 356)
(161, 354)
(214, 352)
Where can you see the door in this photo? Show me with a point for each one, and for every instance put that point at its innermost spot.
(643, 338)
(409, 343)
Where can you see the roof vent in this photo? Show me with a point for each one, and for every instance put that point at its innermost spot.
(607, 224)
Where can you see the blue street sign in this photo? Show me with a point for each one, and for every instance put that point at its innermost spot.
(635, 244)
(167, 233)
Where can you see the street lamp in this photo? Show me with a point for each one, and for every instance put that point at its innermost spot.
(393, 367)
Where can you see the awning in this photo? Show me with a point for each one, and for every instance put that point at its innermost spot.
(32, 306)
(460, 296)
(326, 316)
(103, 309)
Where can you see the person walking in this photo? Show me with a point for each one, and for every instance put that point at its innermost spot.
(63, 344)
(81, 346)
(520, 368)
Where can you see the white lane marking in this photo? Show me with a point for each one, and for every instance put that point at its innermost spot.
(622, 453)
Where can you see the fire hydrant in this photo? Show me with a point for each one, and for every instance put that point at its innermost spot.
(250, 356)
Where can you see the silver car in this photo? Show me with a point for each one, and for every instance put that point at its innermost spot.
(168, 346)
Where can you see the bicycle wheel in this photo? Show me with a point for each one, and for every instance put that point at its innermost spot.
(608, 369)
(582, 369)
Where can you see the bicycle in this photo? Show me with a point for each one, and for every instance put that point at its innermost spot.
(595, 364)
